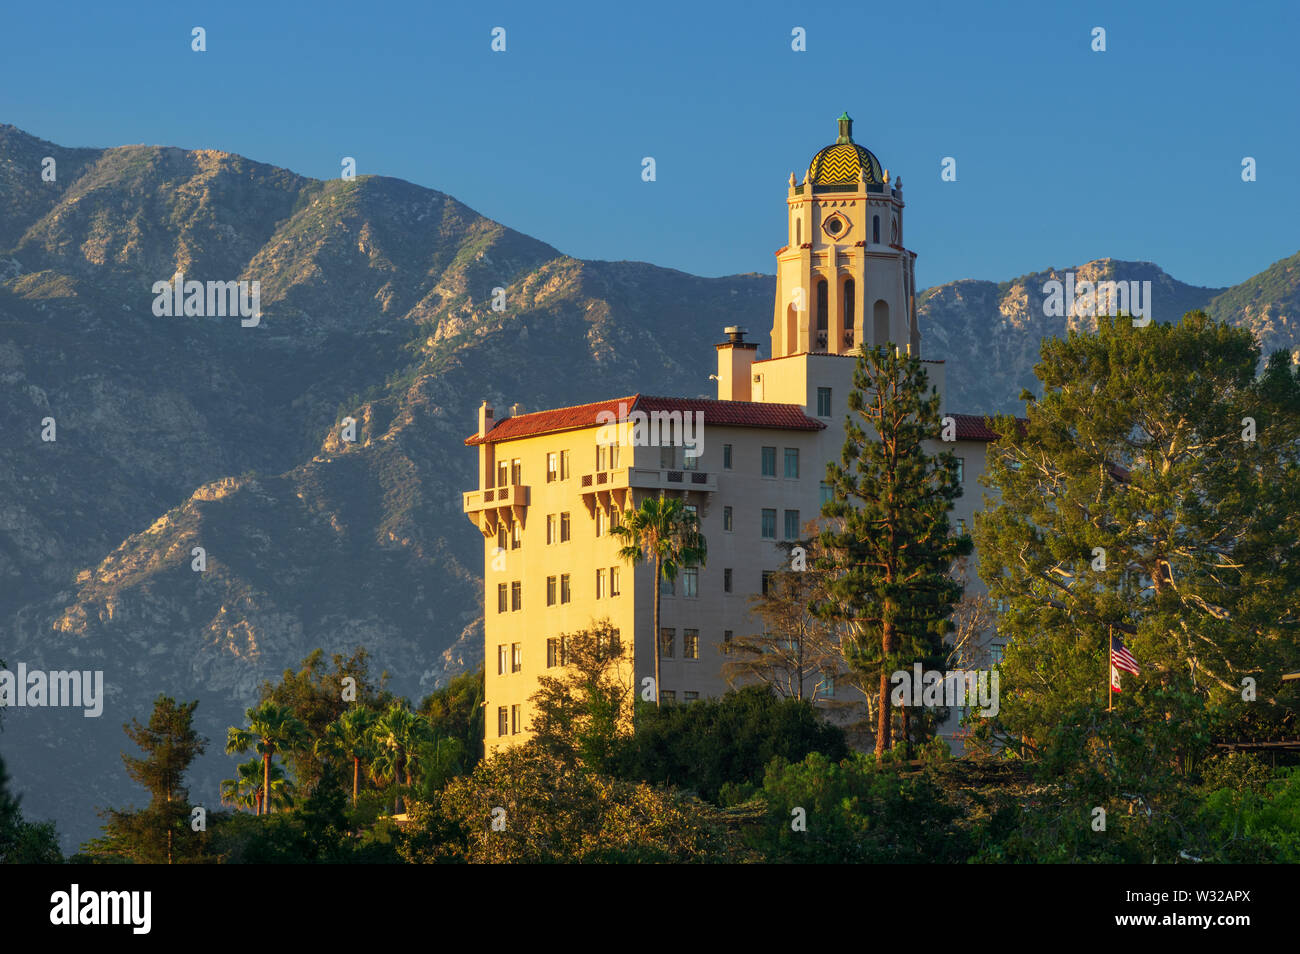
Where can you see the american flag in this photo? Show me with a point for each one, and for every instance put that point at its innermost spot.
(1121, 658)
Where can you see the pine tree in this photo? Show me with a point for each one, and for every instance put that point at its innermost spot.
(1153, 493)
(890, 542)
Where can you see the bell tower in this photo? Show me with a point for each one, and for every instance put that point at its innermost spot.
(844, 278)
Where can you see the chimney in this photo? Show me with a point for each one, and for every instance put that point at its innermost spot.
(516, 410)
(735, 359)
(484, 418)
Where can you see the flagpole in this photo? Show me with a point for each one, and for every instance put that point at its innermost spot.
(1110, 670)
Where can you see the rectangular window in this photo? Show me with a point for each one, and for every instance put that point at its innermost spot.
(823, 402)
(516, 657)
(503, 537)
(767, 580)
(961, 469)
(726, 580)
(600, 457)
(516, 595)
(726, 518)
(726, 636)
(600, 522)
(564, 465)
(615, 643)
(826, 492)
(769, 461)
(690, 461)
(613, 581)
(515, 719)
(667, 637)
(792, 524)
(691, 581)
(564, 528)
(502, 660)
(600, 584)
(552, 522)
(564, 587)
(552, 652)
(552, 468)
(690, 644)
(503, 721)
(791, 462)
(615, 518)
(550, 591)
(503, 473)
(995, 655)
(828, 687)
(961, 526)
(516, 535)
(726, 457)
(667, 587)
(668, 457)
(516, 472)
(613, 457)
(769, 524)
(690, 696)
(667, 696)
(501, 597)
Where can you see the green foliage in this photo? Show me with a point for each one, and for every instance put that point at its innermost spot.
(23, 842)
(456, 711)
(857, 810)
(709, 744)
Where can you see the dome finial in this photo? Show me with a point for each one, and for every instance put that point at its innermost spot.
(846, 129)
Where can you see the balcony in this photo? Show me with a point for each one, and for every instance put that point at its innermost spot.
(612, 488)
(490, 507)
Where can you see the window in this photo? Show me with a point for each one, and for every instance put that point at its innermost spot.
(552, 468)
(600, 584)
(503, 721)
(769, 524)
(615, 519)
(769, 461)
(726, 580)
(667, 587)
(995, 654)
(726, 457)
(515, 712)
(691, 461)
(550, 591)
(564, 465)
(690, 644)
(516, 595)
(691, 582)
(600, 457)
(827, 495)
(791, 463)
(516, 535)
(502, 537)
(667, 695)
(823, 402)
(767, 580)
(828, 687)
(615, 644)
(726, 636)
(552, 522)
(564, 587)
(875, 229)
(961, 526)
(613, 457)
(600, 522)
(564, 528)
(667, 637)
(726, 518)
(613, 581)
(668, 457)
(690, 696)
(792, 524)
(516, 472)
(501, 597)
(503, 473)
(552, 652)
(961, 469)
(516, 657)
(502, 660)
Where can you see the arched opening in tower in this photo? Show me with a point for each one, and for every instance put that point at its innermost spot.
(880, 323)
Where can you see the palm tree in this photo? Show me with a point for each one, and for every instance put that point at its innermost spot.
(348, 737)
(396, 738)
(271, 729)
(245, 791)
(664, 532)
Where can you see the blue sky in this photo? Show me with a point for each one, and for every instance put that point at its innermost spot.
(1063, 154)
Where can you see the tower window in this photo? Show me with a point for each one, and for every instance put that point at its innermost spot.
(875, 229)
(850, 306)
(822, 293)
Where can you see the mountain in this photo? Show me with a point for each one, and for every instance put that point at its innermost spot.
(377, 303)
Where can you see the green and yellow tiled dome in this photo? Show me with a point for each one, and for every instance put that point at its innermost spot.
(844, 162)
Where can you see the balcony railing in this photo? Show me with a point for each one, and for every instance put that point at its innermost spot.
(511, 495)
(649, 478)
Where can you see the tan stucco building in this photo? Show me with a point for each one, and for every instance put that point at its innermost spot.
(551, 482)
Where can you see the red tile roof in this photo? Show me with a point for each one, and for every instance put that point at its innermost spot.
(975, 427)
(717, 413)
